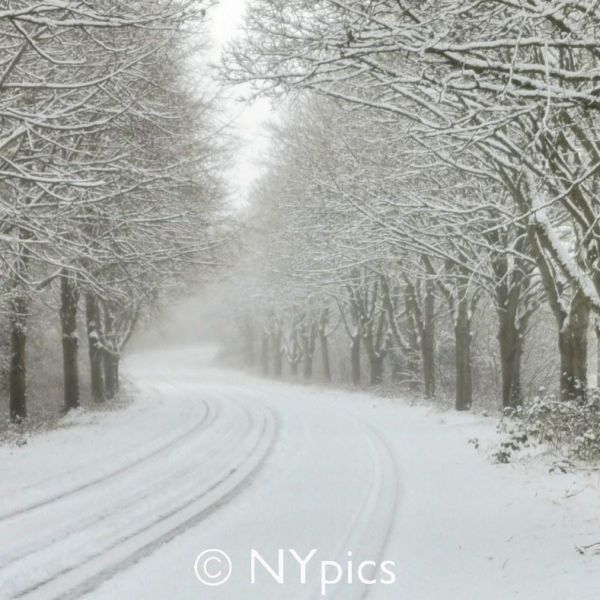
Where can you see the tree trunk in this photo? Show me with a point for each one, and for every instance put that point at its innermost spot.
(293, 351)
(324, 343)
(428, 342)
(92, 317)
(415, 345)
(375, 360)
(111, 362)
(19, 315)
(462, 336)
(264, 354)
(69, 300)
(307, 340)
(248, 341)
(18, 366)
(397, 365)
(511, 351)
(308, 365)
(376, 365)
(597, 354)
(428, 368)
(294, 366)
(355, 359)
(110, 356)
(277, 355)
(572, 345)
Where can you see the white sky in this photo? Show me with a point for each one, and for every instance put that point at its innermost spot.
(246, 120)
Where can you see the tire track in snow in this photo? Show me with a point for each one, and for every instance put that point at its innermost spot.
(85, 466)
(75, 581)
(369, 525)
(75, 522)
(369, 532)
(105, 477)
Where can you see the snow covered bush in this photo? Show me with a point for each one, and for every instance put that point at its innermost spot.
(571, 426)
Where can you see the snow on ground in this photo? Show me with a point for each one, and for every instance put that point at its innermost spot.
(120, 506)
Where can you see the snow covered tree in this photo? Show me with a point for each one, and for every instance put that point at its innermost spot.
(491, 84)
(106, 187)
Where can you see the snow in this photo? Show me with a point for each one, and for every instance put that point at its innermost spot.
(213, 459)
(559, 249)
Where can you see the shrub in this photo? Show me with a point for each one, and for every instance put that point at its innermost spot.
(571, 427)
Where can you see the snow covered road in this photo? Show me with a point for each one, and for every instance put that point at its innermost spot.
(208, 459)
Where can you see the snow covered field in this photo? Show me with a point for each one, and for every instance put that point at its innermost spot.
(120, 506)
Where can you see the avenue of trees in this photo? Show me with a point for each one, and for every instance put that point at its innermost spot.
(108, 177)
(434, 181)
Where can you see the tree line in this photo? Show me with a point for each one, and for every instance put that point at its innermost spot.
(438, 162)
(108, 175)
